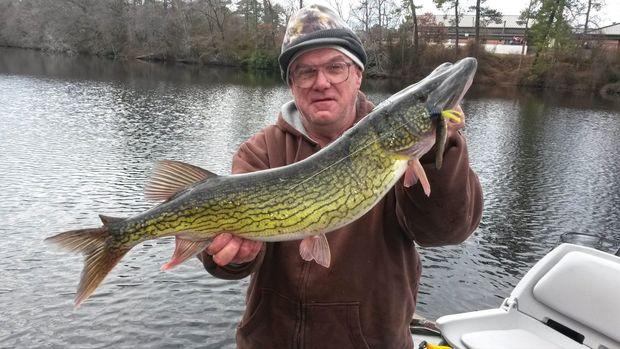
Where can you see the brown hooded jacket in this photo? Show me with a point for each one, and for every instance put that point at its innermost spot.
(367, 297)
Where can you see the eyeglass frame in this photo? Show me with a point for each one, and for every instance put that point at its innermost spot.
(322, 67)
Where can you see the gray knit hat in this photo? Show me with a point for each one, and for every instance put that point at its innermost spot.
(318, 26)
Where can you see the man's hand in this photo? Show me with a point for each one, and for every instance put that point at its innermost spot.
(227, 248)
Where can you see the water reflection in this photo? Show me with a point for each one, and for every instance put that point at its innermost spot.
(545, 170)
(134, 74)
(79, 137)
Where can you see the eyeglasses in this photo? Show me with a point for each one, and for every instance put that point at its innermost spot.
(335, 72)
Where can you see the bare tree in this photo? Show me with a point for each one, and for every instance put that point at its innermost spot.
(430, 30)
(591, 6)
(524, 19)
(364, 13)
(216, 12)
(338, 6)
(484, 16)
(414, 18)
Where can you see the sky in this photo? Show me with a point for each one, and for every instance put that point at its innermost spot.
(609, 13)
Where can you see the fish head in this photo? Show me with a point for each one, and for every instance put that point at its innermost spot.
(412, 115)
(447, 85)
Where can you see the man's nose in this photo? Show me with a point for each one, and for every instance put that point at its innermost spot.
(321, 82)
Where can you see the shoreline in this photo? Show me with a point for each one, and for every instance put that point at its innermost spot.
(507, 72)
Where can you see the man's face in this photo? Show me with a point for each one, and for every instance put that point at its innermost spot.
(325, 104)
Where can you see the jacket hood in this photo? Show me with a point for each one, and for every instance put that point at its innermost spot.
(289, 118)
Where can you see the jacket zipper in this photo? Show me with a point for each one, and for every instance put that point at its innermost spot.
(299, 336)
(298, 339)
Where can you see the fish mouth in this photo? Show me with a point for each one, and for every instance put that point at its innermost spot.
(449, 84)
(442, 89)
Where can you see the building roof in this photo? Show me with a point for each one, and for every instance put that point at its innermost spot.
(613, 29)
(508, 21)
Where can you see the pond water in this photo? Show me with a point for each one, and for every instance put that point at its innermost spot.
(79, 137)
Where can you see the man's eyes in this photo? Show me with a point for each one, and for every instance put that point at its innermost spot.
(306, 71)
(336, 67)
(330, 68)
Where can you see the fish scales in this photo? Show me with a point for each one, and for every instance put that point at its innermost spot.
(289, 203)
(314, 196)
(348, 180)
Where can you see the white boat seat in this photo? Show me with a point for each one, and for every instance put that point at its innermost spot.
(569, 299)
(510, 339)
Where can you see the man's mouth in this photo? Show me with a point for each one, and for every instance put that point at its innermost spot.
(323, 99)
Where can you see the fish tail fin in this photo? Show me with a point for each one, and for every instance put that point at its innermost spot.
(99, 256)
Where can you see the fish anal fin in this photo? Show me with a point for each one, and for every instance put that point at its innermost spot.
(170, 176)
(107, 220)
(316, 248)
(183, 250)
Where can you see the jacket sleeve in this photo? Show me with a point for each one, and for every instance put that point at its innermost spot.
(251, 156)
(453, 209)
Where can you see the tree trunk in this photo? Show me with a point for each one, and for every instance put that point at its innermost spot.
(270, 18)
(380, 29)
(456, 25)
(585, 27)
(526, 32)
(550, 20)
(415, 26)
(403, 38)
(477, 40)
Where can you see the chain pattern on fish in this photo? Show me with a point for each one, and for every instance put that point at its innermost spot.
(314, 196)
(358, 171)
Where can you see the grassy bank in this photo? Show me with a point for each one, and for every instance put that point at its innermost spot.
(247, 34)
(585, 72)
(594, 70)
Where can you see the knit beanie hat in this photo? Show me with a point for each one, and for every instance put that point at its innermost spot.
(318, 26)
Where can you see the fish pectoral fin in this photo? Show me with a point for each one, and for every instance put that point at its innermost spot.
(415, 172)
(169, 177)
(316, 248)
(183, 250)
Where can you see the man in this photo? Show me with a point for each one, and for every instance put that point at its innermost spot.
(367, 297)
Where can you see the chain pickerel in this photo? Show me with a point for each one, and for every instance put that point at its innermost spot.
(303, 200)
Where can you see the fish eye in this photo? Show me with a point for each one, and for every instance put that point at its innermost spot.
(421, 99)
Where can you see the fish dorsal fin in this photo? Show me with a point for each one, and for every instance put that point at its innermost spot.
(169, 177)
(106, 220)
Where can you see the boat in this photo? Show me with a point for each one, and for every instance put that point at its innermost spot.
(569, 299)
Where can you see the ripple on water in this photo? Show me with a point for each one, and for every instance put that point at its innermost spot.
(74, 148)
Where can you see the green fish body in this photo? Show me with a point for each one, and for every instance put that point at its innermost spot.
(324, 192)
(303, 200)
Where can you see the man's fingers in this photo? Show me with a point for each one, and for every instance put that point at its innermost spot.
(228, 252)
(218, 243)
(227, 248)
(245, 251)
(257, 247)
(248, 251)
